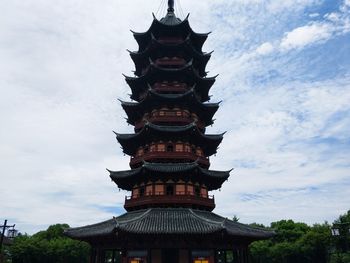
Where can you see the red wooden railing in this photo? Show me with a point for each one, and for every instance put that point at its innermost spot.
(165, 156)
(170, 61)
(176, 200)
(172, 87)
(170, 40)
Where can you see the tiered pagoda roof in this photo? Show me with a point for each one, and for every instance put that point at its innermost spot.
(154, 100)
(185, 74)
(170, 25)
(173, 171)
(169, 204)
(142, 59)
(150, 133)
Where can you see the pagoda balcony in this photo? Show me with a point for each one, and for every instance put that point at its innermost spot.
(158, 156)
(176, 121)
(170, 62)
(170, 87)
(178, 199)
(170, 40)
(176, 118)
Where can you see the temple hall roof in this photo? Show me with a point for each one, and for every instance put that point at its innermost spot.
(168, 221)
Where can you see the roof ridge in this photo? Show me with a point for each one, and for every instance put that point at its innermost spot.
(136, 218)
(92, 225)
(204, 219)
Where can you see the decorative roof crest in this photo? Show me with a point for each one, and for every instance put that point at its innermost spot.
(171, 4)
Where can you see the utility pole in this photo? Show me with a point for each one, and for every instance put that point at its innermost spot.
(4, 227)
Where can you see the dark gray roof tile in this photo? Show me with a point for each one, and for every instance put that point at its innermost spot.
(169, 221)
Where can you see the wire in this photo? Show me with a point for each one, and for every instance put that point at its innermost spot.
(181, 11)
(176, 10)
(160, 8)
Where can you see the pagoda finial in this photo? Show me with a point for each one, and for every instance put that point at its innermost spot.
(171, 6)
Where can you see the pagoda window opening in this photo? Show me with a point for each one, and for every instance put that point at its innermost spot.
(161, 147)
(179, 147)
(170, 113)
(153, 148)
(180, 188)
(142, 191)
(170, 189)
(159, 189)
(197, 190)
(193, 149)
(199, 152)
(204, 192)
(170, 148)
(189, 188)
(135, 192)
(139, 152)
(149, 189)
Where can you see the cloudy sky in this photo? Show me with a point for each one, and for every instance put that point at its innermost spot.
(284, 81)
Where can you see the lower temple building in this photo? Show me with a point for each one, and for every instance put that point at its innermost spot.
(169, 216)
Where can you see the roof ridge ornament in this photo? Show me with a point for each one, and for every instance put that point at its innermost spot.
(171, 4)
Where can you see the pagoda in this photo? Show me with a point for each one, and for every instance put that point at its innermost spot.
(169, 216)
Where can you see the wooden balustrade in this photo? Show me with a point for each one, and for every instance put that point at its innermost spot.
(136, 196)
(161, 156)
(170, 61)
(178, 200)
(171, 87)
(169, 118)
(170, 40)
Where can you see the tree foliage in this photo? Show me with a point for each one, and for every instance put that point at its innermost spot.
(49, 246)
(294, 243)
(300, 243)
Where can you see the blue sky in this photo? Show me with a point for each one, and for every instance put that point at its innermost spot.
(284, 81)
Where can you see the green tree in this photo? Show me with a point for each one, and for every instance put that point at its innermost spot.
(341, 243)
(49, 246)
(293, 243)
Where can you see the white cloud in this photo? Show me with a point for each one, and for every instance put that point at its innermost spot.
(265, 48)
(306, 35)
(335, 23)
(275, 6)
(61, 65)
(313, 15)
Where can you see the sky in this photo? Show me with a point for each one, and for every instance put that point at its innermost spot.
(284, 81)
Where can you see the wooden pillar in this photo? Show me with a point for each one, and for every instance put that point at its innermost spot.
(98, 256)
(183, 256)
(92, 256)
(156, 256)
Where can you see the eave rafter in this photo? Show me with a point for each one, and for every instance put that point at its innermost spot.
(181, 171)
(153, 100)
(150, 133)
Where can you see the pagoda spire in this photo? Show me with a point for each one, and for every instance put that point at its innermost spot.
(171, 6)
